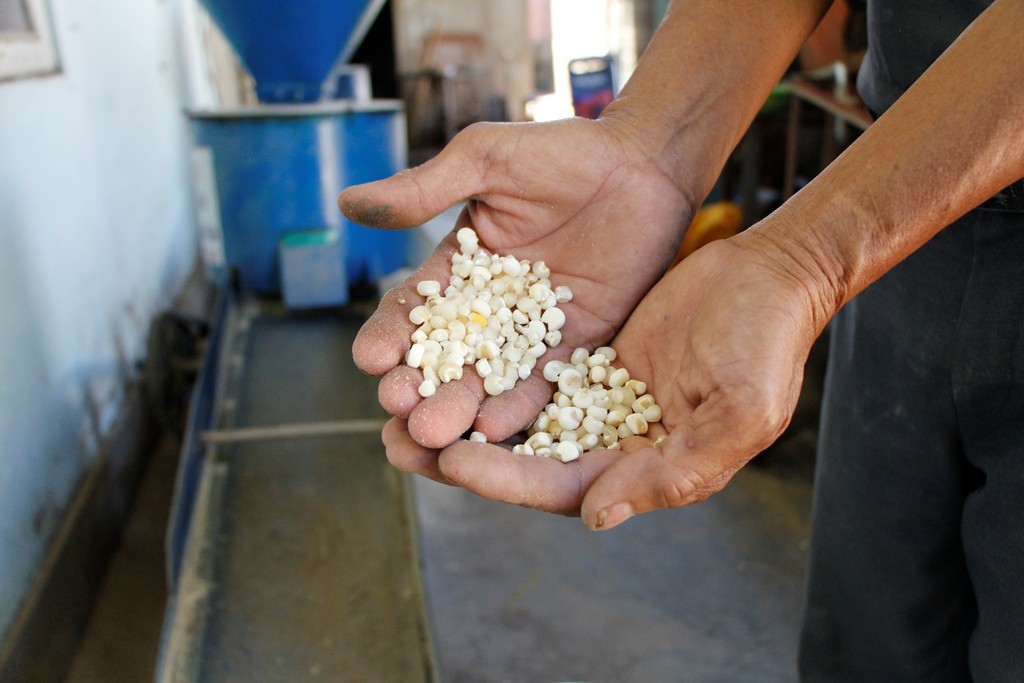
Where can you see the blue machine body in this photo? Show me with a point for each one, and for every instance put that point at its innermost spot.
(290, 47)
(278, 166)
(278, 170)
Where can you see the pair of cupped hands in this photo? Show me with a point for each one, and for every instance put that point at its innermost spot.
(720, 339)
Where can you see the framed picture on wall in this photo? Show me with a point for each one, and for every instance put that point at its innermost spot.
(26, 39)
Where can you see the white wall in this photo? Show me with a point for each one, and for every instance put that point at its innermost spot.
(95, 236)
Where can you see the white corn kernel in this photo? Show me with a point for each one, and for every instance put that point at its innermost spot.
(570, 381)
(578, 356)
(540, 440)
(480, 306)
(537, 350)
(438, 335)
(419, 315)
(566, 451)
(584, 398)
(552, 369)
(553, 338)
(511, 266)
(618, 378)
(619, 396)
(466, 236)
(414, 356)
(637, 424)
(553, 318)
(639, 388)
(642, 403)
(487, 350)
(592, 425)
(456, 330)
(615, 417)
(493, 385)
(427, 389)
(449, 373)
(539, 292)
(653, 413)
(428, 288)
(628, 396)
(570, 417)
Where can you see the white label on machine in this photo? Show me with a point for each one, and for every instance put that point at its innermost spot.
(207, 208)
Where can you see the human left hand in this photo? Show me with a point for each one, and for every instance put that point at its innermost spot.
(721, 342)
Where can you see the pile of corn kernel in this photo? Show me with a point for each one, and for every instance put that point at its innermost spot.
(596, 405)
(498, 314)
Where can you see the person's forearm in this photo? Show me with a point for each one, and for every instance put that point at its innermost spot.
(706, 73)
(954, 139)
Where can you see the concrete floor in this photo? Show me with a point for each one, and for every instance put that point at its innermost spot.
(707, 593)
(121, 641)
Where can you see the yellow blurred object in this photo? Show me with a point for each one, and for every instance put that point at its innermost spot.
(712, 222)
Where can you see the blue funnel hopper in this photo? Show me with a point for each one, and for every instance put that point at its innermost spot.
(289, 46)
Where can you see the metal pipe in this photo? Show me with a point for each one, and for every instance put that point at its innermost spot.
(292, 431)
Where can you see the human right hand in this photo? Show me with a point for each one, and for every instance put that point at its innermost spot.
(577, 194)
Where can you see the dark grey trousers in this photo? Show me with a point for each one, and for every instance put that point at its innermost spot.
(917, 551)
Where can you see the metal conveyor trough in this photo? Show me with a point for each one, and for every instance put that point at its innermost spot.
(292, 549)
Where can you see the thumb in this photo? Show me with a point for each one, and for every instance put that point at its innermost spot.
(687, 467)
(414, 196)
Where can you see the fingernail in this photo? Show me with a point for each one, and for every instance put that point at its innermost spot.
(614, 515)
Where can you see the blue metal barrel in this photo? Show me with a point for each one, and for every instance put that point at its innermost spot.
(278, 169)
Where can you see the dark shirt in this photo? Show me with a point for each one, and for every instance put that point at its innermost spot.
(904, 38)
